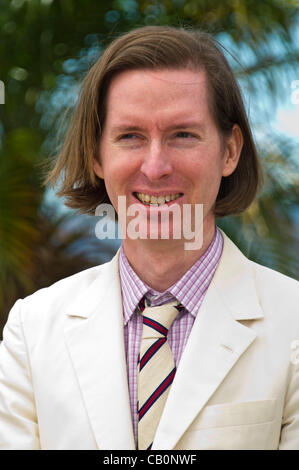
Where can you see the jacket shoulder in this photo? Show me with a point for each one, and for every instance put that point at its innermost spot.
(51, 301)
(278, 294)
(275, 279)
(71, 283)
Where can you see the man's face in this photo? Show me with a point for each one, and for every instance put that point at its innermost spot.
(160, 140)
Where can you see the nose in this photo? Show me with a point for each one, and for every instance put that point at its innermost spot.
(156, 163)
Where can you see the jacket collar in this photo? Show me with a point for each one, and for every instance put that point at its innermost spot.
(235, 282)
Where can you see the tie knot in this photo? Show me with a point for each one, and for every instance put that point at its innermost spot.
(158, 320)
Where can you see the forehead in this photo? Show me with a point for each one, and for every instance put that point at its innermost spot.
(158, 92)
(174, 76)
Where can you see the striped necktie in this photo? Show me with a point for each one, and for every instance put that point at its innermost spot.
(156, 369)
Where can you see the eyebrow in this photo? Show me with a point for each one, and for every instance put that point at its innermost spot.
(179, 125)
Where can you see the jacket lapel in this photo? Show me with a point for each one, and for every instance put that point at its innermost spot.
(95, 341)
(216, 342)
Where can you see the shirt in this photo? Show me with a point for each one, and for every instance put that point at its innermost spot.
(189, 290)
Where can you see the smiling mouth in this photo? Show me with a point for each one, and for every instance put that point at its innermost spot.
(150, 200)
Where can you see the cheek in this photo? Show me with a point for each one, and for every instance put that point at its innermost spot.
(118, 163)
(205, 168)
(116, 178)
(206, 174)
(112, 186)
(213, 165)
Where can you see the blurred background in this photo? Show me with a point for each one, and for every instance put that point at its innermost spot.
(47, 46)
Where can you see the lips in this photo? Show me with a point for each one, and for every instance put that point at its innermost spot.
(151, 200)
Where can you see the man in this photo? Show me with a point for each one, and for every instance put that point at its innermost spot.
(163, 347)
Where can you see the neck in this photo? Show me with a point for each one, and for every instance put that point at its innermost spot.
(165, 262)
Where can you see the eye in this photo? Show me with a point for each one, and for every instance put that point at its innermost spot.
(127, 136)
(184, 134)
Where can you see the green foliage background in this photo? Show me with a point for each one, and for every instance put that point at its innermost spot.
(47, 46)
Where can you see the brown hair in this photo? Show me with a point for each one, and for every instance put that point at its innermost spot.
(155, 47)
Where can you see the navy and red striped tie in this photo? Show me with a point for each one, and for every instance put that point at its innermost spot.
(156, 369)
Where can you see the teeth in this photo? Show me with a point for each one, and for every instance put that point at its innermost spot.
(156, 201)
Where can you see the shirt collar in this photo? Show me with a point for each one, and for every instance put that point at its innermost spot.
(189, 290)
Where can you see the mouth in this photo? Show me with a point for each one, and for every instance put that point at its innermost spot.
(150, 200)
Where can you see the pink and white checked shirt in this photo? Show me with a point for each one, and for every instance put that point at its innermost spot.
(189, 291)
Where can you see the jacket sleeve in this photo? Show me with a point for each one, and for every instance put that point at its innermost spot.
(289, 438)
(18, 418)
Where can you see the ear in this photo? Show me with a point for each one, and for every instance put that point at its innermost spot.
(234, 145)
(97, 168)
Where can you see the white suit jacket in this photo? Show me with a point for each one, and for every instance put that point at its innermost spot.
(63, 377)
